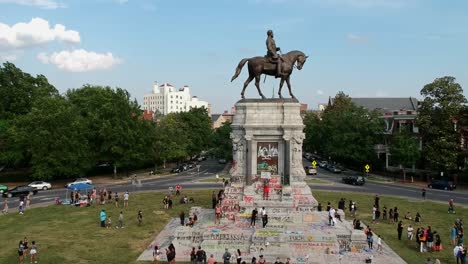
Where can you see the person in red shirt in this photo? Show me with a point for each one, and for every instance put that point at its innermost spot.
(266, 190)
(178, 189)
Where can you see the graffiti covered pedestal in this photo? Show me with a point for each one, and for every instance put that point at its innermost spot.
(267, 140)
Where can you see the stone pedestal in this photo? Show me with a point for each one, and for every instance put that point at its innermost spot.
(267, 138)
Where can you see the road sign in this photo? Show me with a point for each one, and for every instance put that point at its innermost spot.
(367, 167)
(314, 164)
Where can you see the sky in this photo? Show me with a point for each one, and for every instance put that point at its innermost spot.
(365, 48)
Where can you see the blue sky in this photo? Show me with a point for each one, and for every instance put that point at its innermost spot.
(365, 48)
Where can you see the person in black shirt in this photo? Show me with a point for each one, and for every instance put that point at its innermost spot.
(253, 218)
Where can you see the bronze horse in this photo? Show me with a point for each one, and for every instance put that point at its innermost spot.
(262, 65)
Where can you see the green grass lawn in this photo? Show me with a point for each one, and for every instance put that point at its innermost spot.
(433, 214)
(67, 234)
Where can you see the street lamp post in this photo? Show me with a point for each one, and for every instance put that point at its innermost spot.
(198, 170)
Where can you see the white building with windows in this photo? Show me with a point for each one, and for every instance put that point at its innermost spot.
(166, 99)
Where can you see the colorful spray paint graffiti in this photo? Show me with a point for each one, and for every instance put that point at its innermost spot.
(267, 157)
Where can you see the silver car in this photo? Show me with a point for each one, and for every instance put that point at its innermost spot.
(40, 185)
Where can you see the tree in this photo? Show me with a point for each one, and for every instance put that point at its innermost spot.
(221, 141)
(313, 133)
(18, 93)
(53, 139)
(404, 150)
(349, 132)
(443, 100)
(171, 141)
(197, 127)
(114, 127)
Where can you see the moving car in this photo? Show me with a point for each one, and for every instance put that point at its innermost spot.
(3, 189)
(323, 164)
(79, 180)
(443, 185)
(354, 180)
(333, 168)
(310, 170)
(40, 185)
(20, 190)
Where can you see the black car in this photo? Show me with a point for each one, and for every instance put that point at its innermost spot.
(175, 170)
(443, 185)
(354, 180)
(20, 190)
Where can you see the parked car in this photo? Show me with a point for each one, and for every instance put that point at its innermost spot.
(40, 185)
(175, 170)
(184, 166)
(3, 189)
(310, 170)
(20, 190)
(323, 163)
(222, 161)
(190, 165)
(79, 180)
(443, 185)
(354, 180)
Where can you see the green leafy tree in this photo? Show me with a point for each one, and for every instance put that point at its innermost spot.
(221, 141)
(443, 100)
(350, 132)
(114, 127)
(404, 150)
(18, 93)
(313, 133)
(171, 142)
(53, 138)
(196, 125)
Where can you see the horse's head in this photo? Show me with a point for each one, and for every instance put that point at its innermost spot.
(301, 59)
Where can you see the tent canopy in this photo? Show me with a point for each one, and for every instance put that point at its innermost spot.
(80, 187)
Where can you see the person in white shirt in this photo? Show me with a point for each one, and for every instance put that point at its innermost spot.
(410, 232)
(331, 216)
(126, 195)
(379, 244)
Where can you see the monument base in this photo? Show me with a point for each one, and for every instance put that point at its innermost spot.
(267, 140)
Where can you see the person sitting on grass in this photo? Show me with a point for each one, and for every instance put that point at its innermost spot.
(408, 216)
(417, 219)
(109, 222)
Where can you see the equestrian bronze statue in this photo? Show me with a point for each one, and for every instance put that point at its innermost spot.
(272, 64)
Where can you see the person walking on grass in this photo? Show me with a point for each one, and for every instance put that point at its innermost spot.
(423, 193)
(120, 220)
(126, 196)
(21, 252)
(140, 217)
(103, 217)
(33, 252)
(400, 230)
(451, 208)
(116, 198)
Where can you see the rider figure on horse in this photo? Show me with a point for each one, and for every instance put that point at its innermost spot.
(272, 53)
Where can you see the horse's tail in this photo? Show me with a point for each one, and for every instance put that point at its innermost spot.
(239, 69)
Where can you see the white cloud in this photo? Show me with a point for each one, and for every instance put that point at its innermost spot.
(36, 32)
(9, 55)
(45, 4)
(356, 38)
(80, 60)
(319, 92)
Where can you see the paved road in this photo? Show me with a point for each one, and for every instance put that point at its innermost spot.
(460, 197)
(210, 167)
